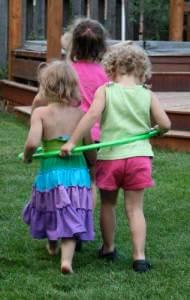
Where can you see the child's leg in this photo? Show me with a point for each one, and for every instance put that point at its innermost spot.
(67, 253)
(93, 185)
(94, 194)
(108, 219)
(137, 224)
(52, 247)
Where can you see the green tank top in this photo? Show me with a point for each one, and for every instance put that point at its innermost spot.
(126, 113)
(75, 160)
(56, 143)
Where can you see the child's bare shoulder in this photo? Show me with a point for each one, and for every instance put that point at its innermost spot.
(40, 111)
(78, 111)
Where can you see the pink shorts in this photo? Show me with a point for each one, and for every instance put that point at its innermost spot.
(132, 173)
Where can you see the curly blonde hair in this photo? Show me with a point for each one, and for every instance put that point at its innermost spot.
(127, 59)
(59, 83)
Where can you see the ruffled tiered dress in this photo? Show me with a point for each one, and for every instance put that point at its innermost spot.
(61, 202)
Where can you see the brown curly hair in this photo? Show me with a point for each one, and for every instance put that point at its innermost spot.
(127, 59)
(59, 83)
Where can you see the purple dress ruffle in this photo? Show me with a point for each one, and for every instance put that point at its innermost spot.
(62, 211)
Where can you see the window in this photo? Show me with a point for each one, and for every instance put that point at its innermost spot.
(102, 12)
(67, 13)
(35, 19)
(86, 12)
(118, 19)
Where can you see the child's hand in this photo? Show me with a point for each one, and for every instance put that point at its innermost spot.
(161, 130)
(66, 149)
(26, 160)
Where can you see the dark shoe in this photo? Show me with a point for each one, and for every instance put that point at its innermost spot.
(141, 265)
(78, 247)
(110, 256)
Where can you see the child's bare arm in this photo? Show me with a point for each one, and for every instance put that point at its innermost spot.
(89, 155)
(91, 161)
(34, 136)
(158, 114)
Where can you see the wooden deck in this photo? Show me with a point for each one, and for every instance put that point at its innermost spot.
(170, 72)
(175, 101)
(170, 102)
(177, 106)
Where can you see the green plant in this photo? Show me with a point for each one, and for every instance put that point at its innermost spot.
(156, 17)
(3, 73)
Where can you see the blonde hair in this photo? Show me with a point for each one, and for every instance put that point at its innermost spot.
(66, 40)
(127, 59)
(59, 83)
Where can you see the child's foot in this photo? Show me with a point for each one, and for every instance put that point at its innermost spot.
(66, 269)
(141, 265)
(110, 256)
(52, 248)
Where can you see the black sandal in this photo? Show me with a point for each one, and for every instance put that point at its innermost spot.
(110, 256)
(141, 265)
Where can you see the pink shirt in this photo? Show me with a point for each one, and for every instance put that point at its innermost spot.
(91, 75)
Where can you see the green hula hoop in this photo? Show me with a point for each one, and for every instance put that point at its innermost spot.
(147, 135)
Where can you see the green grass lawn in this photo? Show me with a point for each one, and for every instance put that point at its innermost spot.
(27, 272)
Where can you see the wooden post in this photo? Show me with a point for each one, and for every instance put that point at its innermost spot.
(188, 27)
(15, 30)
(77, 8)
(176, 19)
(187, 12)
(54, 28)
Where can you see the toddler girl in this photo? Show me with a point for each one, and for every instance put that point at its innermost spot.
(85, 45)
(88, 45)
(61, 202)
(126, 108)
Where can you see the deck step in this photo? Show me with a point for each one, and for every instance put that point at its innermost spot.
(180, 120)
(23, 113)
(23, 109)
(177, 106)
(182, 134)
(170, 81)
(16, 93)
(176, 140)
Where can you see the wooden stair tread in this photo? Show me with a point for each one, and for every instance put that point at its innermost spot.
(179, 110)
(16, 93)
(171, 72)
(18, 85)
(23, 109)
(171, 133)
(178, 134)
(177, 102)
